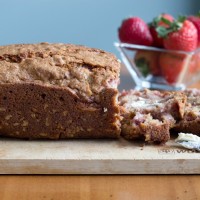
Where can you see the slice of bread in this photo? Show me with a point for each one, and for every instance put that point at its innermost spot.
(191, 120)
(150, 114)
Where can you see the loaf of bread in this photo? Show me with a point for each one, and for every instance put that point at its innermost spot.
(150, 114)
(54, 91)
(58, 91)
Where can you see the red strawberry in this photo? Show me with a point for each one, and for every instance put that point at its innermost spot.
(171, 66)
(196, 21)
(135, 31)
(147, 62)
(158, 21)
(181, 35)
(164, 23)
(157, 41)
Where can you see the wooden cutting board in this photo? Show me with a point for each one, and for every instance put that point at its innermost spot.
(95, 157)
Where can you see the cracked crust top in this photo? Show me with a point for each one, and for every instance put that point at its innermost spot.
(72, 53)
(86, 71)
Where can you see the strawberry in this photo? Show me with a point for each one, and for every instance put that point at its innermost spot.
(180, 35)
(165, 23)
(147, 62)
(196, 21)
(171, 66)
(158, 21)
(135, 31)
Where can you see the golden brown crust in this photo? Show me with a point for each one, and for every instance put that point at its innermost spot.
(85, 70)
(68, 53)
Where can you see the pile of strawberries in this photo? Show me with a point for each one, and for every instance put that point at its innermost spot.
(182, 34)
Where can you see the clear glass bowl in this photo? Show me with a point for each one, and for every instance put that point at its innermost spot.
(162, 69)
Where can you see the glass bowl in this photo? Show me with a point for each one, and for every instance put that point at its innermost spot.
(161, 69)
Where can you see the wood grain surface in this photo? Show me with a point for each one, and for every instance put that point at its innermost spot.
(95, 157)
(100, 187)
